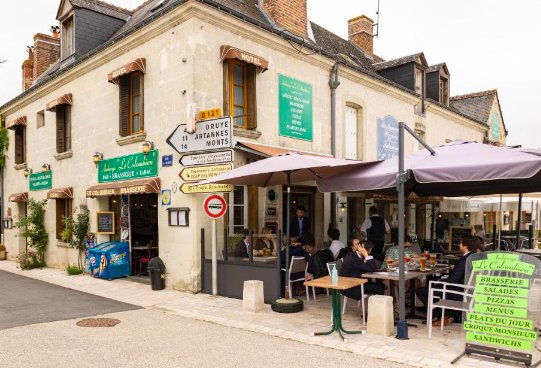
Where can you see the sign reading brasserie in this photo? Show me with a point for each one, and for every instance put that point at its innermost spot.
(501, 316)
(295, 106)
(40, 180)
(134, 166)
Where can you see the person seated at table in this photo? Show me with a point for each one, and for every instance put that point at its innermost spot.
(317, 258)
(336, 244)
(467, 247)
(242, 249)
(393, 252)
(355, 264)
(265, 245)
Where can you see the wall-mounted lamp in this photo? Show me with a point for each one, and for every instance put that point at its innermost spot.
(97, 157)
(27, 172)
(342, 206)
(147, 147)
(466, 215)
(45, 168)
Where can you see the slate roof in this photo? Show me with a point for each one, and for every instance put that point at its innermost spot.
(474, 105)
(401, 61)
(436, 67)
(103, 8)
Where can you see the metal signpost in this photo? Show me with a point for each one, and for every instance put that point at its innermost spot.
(209, 135)
(215, 207)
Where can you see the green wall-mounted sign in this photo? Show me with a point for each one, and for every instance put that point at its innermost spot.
(134, 166)
(40, 180)
(295, 108)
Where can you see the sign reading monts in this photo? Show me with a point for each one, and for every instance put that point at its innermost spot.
(209, 135)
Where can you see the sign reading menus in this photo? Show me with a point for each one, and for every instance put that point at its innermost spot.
(105, 222)
(505, 306)
(295, 106)
(387, 131)
(134, 166)
(40, 180)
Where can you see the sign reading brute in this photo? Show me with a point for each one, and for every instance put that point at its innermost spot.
(128, 167)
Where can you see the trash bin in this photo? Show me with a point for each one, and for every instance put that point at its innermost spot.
(156, 270)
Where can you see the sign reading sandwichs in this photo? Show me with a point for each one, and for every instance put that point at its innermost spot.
(209, 135)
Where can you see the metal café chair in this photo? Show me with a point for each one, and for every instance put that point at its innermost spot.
(297, 265)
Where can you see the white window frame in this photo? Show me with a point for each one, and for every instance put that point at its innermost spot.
(351, 128)
(232, 205)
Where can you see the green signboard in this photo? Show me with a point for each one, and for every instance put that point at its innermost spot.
(134, 166)
(40, 180)
(295, 108)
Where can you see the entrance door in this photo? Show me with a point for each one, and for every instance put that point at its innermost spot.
(300, 196)
(144, 229)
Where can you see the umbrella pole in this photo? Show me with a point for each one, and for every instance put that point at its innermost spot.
(519, 220)
(288, 225)
(402, 325)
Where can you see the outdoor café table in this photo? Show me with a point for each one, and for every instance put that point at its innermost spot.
(344, 283)
(409, 275)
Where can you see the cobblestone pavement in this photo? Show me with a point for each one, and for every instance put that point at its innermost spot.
(418, 351)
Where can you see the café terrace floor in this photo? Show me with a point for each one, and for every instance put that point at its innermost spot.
(418, 351)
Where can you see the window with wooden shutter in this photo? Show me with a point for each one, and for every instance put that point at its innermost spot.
(20, 144)
(124, 99)
(350, 133)
(240, 93)
(63, 128)
(131, 104)
(63, 209)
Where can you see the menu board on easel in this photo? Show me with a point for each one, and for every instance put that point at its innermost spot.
(105, 222)
(457, 233)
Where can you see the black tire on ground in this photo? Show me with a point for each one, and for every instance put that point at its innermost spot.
(287, 306)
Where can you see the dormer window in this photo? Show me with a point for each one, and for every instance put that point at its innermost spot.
(67, 45)
(419, 81)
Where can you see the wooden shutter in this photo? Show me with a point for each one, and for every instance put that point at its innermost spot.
(141, 103)
(350, 133)
(60, 129)
(19, 144)
(124, 105)
(226, 89)
(59, 215)
(251, 72)
(67, 127)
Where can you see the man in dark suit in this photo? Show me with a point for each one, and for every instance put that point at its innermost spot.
(299, 225)
(242, 249)
(355, 264)
(467, 246)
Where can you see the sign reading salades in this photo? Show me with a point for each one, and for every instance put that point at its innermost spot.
(134, 166)
(295, 106)
(387, 137)
(40, 180)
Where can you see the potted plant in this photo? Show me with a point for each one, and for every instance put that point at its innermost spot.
(2, 252)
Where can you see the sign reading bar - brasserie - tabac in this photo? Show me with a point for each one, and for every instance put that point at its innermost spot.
(134, 166)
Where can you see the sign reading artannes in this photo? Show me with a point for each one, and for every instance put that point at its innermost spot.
(40, 180)
(295, 106)
(134, 166)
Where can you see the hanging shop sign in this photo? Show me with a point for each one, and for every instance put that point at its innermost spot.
(505, 305)
(134, 166)
(295, 106)
(40, 180)
(210, 114)
(192, 188)
(197, 173)
(207, 158)
(209, 135)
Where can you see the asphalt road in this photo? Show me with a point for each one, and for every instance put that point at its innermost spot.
(25, 301)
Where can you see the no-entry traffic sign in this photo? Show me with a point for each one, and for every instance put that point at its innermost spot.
(215, 206)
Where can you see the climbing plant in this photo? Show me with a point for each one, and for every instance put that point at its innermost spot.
(75, 229)
(4, 144)
(33, 230)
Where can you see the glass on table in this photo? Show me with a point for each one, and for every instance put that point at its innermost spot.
(389, 262)
(432, 260)
(422, 263)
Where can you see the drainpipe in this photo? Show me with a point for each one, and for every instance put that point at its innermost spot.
(333, 84)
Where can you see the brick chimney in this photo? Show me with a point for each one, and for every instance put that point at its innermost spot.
(28, 69)
(290, 15)
(46, 52)
(360, 33)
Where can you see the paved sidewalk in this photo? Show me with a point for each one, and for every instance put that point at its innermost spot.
(417, 351)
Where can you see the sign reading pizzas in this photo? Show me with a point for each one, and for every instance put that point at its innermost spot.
(215, 206)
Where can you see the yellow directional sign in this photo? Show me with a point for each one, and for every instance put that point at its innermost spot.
(203, 172)
(190, 188)
(210, 114)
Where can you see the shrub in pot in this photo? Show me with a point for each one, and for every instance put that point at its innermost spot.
(2, 252)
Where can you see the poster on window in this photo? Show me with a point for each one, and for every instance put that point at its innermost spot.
(295, 108)
(387, 137)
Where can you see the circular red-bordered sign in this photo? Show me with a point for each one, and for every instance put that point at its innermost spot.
(215, 206)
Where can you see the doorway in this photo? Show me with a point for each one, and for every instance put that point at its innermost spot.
(144, 230)
(300, 196)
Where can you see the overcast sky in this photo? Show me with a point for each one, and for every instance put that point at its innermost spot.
(486, 44)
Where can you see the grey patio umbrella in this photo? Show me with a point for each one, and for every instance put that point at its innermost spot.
(285, 169)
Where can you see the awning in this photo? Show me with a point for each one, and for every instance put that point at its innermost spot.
(230, 52)
(19, 197)
(139, 64)
(19, 121)
(150, 185)
(60, 193)
(268, 151)
(63, 100)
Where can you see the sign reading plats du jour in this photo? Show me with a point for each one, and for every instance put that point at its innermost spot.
(134, 166)
(40, 180)
(504, 309)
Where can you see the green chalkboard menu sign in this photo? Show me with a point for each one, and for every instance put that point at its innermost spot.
(457, 233)
(295, 108)
(105, 222)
